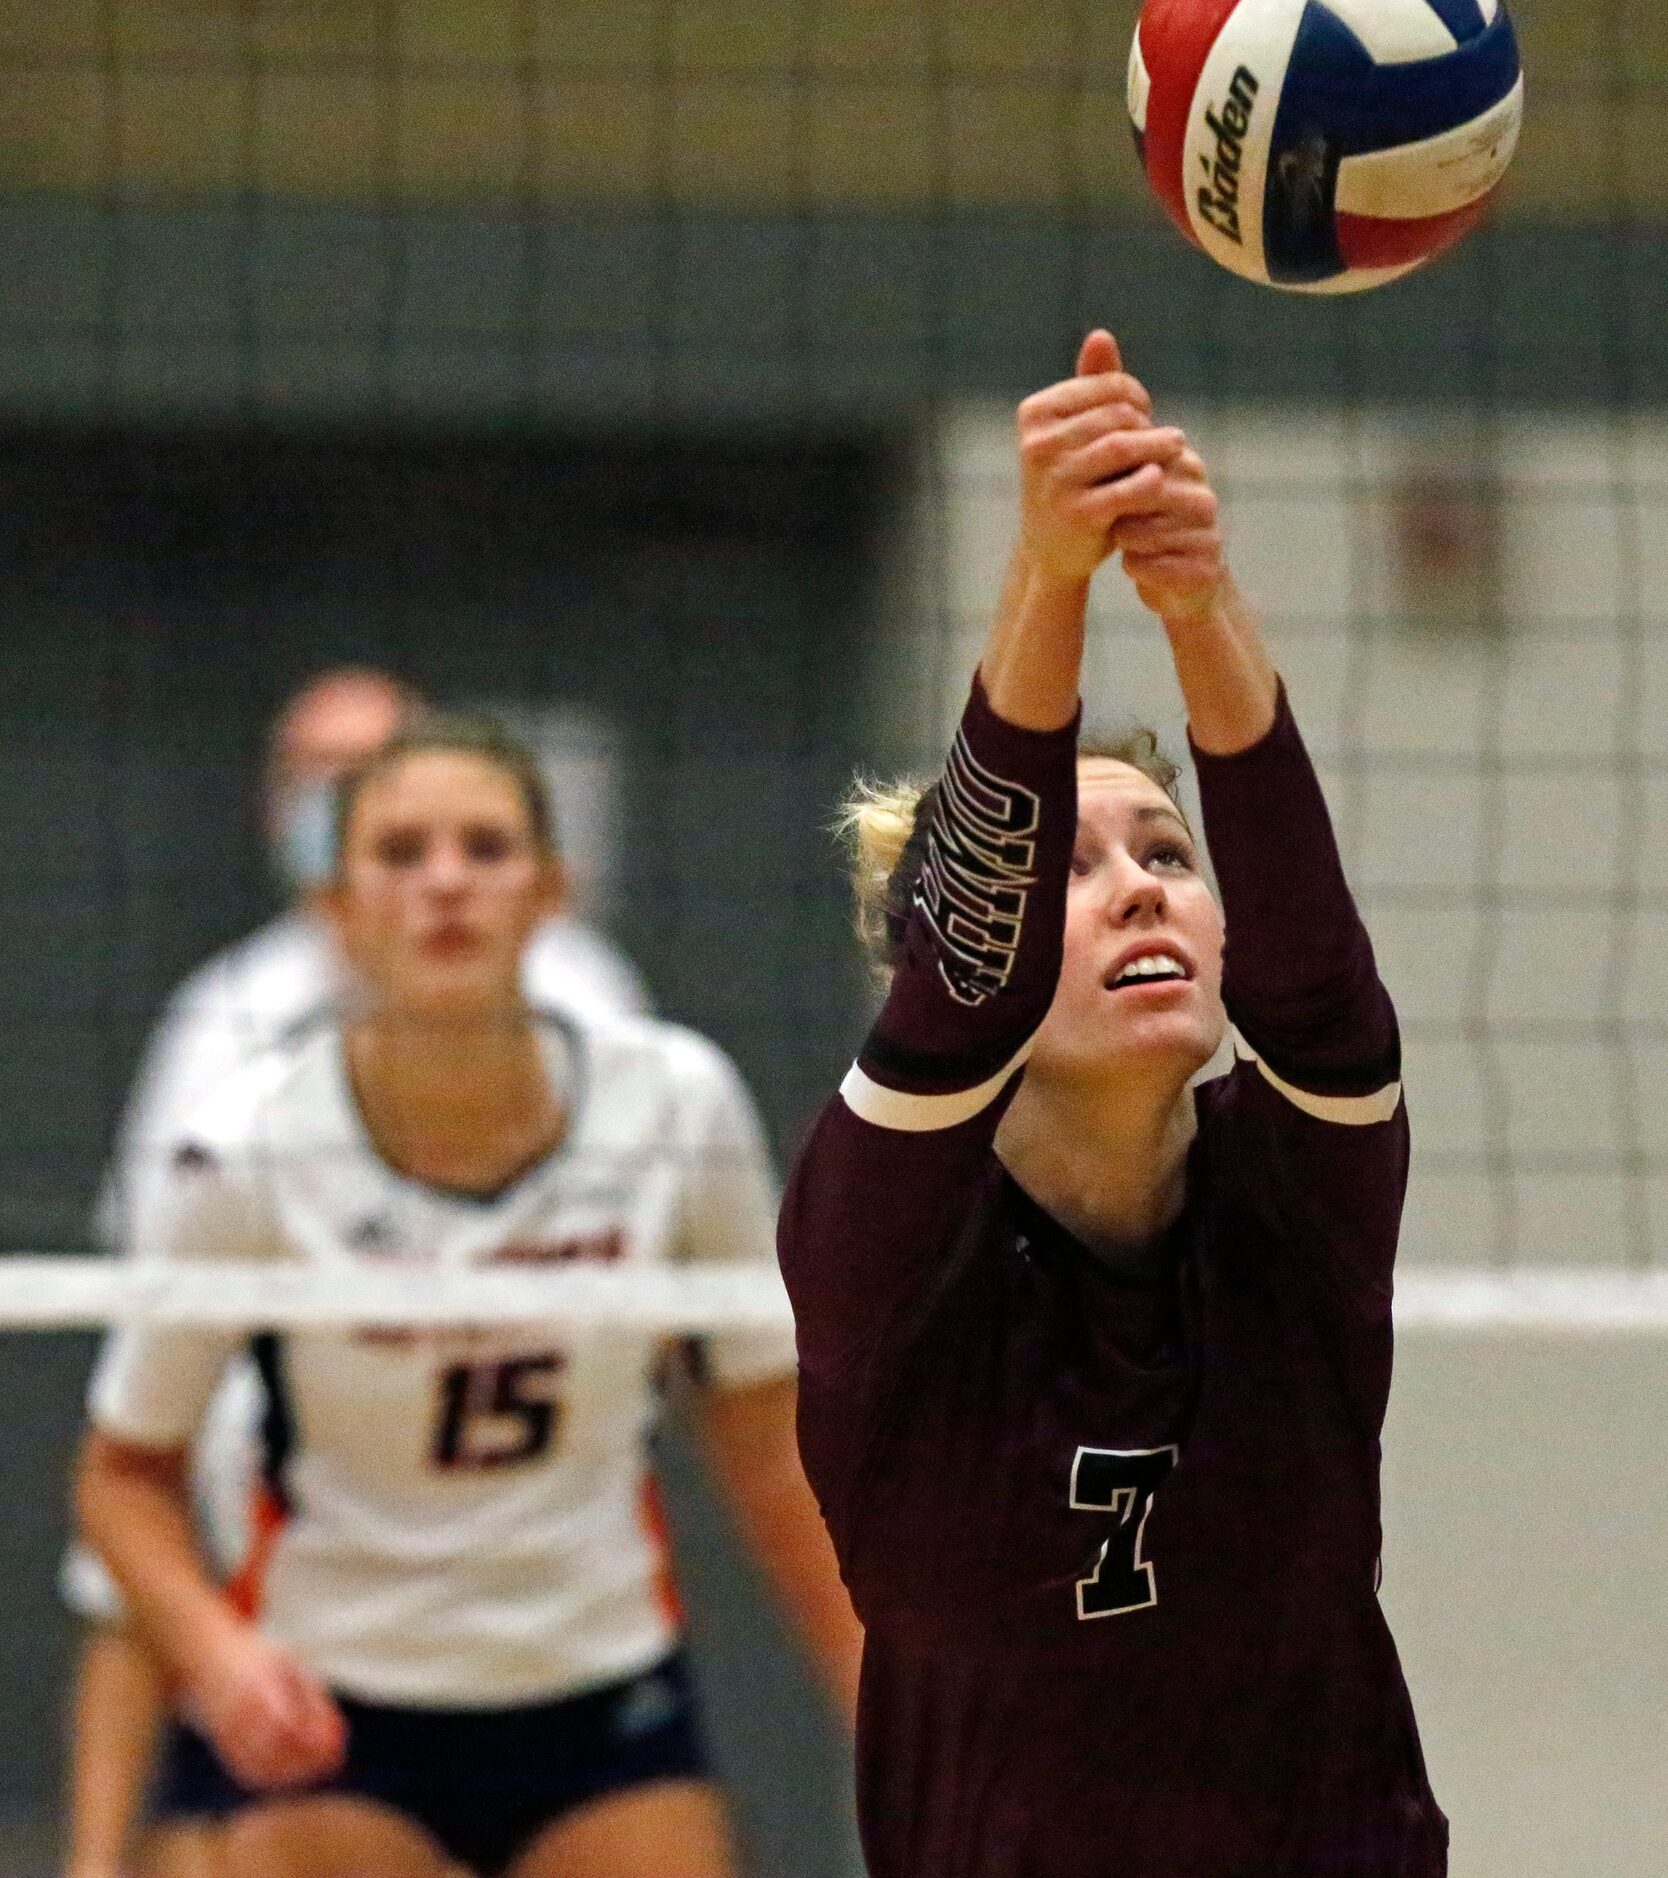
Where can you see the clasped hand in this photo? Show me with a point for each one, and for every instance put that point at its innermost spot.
(1099, 477)
(272, 1722)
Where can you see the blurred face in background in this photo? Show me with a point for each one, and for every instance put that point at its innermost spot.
(329, 729)
(443, 878)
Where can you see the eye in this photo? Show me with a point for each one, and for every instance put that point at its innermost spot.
(399, 847)
(1172, 855)
(488, 845)
(1082, 864)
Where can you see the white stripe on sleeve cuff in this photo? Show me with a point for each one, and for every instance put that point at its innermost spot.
(871, 1101)
(1350, 1111)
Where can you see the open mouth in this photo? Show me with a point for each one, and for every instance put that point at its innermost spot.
(451, 942)
(1151, 968)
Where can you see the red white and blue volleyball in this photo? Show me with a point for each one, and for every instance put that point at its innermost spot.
(1325, 145)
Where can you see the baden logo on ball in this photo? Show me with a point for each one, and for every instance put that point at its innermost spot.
(1325, 146)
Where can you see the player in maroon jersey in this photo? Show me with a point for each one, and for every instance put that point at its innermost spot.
(1094, 1362)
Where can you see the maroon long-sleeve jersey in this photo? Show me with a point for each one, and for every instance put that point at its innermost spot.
(1115, 1543)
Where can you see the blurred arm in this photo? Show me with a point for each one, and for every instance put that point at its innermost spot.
(747, 1436)
(117, 1708)
(134, 1506)
(743, 1416)
(270, 1720)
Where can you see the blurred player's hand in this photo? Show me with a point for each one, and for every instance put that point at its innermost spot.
(1090, 459)
(1173, 551)
(272, 1722)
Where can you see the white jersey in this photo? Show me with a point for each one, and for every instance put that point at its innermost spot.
(246, 1000)
(278, 981)
(470, 1517)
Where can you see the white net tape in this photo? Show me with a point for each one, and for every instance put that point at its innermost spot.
(81, 1293)
(38, 1293)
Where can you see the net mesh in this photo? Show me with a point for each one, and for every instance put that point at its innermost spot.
(481, 336)
(1461, 607)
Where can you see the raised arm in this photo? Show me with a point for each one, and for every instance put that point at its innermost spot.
(1089, 461)
(890, 1168)
(1175, 557)
(1315, 1027)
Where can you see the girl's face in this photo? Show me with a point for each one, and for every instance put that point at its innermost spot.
(1141, 981)
(440, 884)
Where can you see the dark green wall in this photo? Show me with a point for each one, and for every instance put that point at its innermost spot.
(487, 315)
(161, 591)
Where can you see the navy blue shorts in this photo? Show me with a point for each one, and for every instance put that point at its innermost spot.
(483, 1782)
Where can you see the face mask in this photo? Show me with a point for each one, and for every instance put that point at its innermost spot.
(304, 850)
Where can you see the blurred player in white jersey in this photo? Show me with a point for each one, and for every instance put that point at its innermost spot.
(467, 1646)
(288, 973)
(273, 984)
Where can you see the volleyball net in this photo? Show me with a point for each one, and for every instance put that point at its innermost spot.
(47, 1293)
(646, 372)
(1468, 607)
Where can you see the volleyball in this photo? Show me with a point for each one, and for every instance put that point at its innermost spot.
(1325, 146)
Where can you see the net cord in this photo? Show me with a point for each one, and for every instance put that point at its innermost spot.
(67, 1293)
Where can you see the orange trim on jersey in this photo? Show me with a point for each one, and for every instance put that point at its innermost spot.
(651, 1515)
(267, 1519)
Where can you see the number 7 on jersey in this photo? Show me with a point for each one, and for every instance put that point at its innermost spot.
(1120, 1481)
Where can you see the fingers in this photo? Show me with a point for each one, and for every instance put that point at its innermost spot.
(1099, 355)
(1073, 432)
(264, 1759)
(1107, 504)
(261, 1755)
(284, 1731)
(317, 1725)
(1107, 449)
(1120, 451)
(1183, 519)
(1098, 476)
(1183, 515)
(1073, 395)
(1199, 547)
